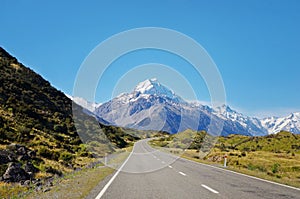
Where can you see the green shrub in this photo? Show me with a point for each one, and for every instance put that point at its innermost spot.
(45, 152)
(3, 168)
(55, 155)
(251, 167)
(275, 168)
(262, 168)
(51, 170)
(66, 156)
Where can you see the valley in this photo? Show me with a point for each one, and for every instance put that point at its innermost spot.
(39, 141)
(150, 99)
(49, 141)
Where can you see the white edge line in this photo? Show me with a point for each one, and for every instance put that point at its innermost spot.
(208, 188)
(256, 178)
(182, 173)
(113, 178)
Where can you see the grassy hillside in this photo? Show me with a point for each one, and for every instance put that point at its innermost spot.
(273, 157)
(38, 117)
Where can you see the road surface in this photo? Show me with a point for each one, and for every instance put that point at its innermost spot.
(148, 173)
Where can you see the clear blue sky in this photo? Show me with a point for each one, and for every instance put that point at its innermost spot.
(255, 44)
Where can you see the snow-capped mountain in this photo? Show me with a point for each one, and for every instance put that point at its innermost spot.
(252, 124)
(290, 123)
(152, 106)
(84, 103)
(153, 87)
(88, 107)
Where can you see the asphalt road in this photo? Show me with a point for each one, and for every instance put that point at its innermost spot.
(148, 173)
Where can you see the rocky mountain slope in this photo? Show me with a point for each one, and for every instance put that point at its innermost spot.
(36, 120)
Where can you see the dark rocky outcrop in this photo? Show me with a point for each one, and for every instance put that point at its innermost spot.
(14, 173)
(16, 164)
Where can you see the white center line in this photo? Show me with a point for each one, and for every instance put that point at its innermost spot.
(170, 166)
(182, 173)
(208, 188)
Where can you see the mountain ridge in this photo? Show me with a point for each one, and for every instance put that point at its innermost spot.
(151, 100)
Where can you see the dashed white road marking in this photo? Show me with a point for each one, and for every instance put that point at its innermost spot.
(208, 188)
(163, 162)
(182, 173)
(170, 166)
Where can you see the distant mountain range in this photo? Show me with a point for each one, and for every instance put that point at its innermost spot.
(152, 106)
(290, 123)
(90, 106)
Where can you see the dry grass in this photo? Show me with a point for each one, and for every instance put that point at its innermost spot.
(2, 146)
(72, 185)
(117, 158)
(15, 66)
(11, 190)
(272, 157)
(278, 167)
(75, 186)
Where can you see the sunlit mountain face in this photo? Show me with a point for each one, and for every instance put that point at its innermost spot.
(153, 106)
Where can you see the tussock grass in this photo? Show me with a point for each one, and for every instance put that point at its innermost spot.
(12, 191)
(272, 157)
(75, 185)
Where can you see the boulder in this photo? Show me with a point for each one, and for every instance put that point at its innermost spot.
(5, 157)
(31, 154)
(26, 183)
(37, 182)
(24, 157)
(13, 147)
(22, 150)
(30, 168)
(14, 173)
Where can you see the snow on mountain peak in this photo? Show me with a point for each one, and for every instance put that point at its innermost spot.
(276, 124)
(151, 98)
(294, 116)
(153, 87)
(91, 106)
(224, 109)
(146, 85)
